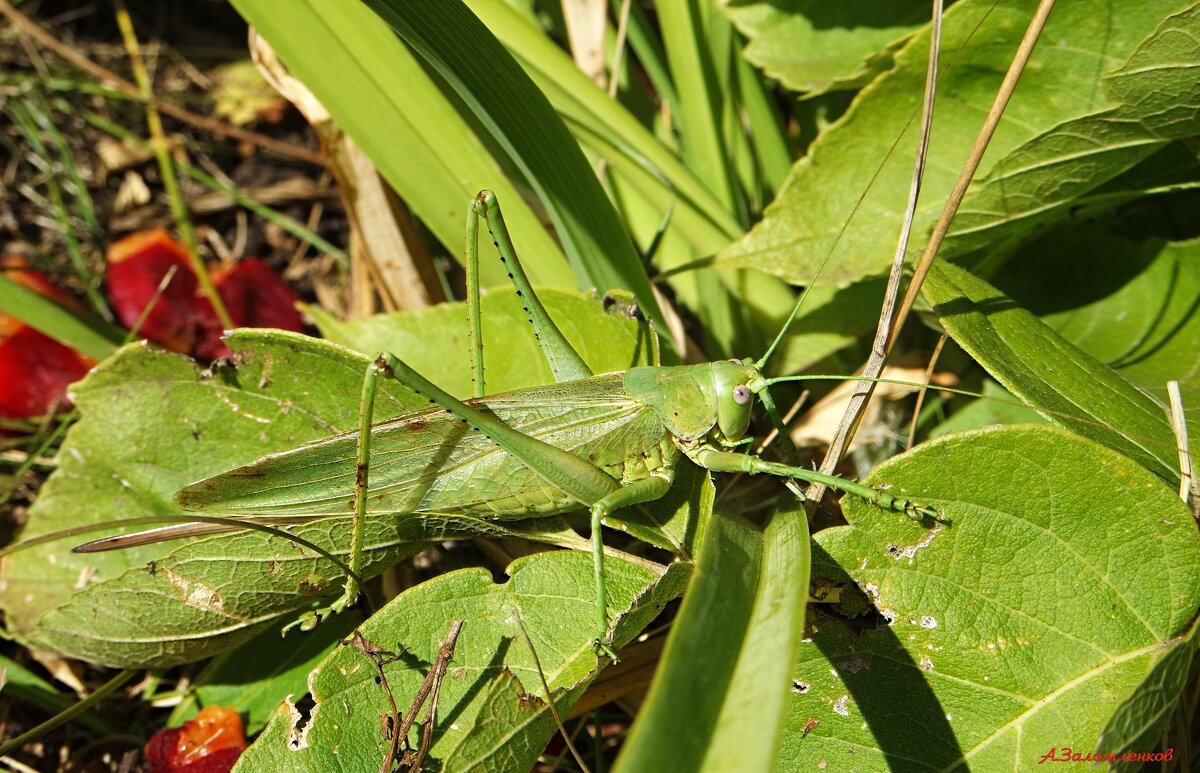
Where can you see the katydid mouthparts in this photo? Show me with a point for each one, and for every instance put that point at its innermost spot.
(589, 442)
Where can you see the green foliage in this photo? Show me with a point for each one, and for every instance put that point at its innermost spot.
(741, 618)
(1050, 372)
(1018, 626)
(495, 695)
(1129, 303)
(1065, 135)
(251, 678)
(354, 78)
(1055, 604)
(813, 47)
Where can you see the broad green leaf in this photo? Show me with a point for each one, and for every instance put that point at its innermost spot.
(254, 678)
(532, 138)
(152, 422)
(979, 38)
(492, 713)
(1154, 97)
(511, 356)
(385, 101)
(1016, 626)
(813, 46)
(730, 652)
(1068, 385)
(831, 319)
(1138, 723)
(1132, 305)
(216, 592)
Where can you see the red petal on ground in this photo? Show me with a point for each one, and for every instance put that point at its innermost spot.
(136, 267)
(183, 320)
(35, 371)
(210, 742)
(254, 296)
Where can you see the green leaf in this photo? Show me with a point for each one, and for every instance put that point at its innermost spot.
(354, 65)
(1134, 305)
(996, 406)
(1058, 87)
(1138, 723)
(152, 422)
(492, 712)
(611, 130)
(519, 119)
(831, 319)
(730, 652)
(1069, 386)
(814, 46)
(1015, 627)
(216, 592)
(1154, 98)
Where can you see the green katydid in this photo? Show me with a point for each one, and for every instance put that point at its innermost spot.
(594, 442)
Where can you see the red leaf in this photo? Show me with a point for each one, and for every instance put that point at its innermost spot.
(35, 371)
(136, 267)
(210, 742)
(183, 320)
(254, 296)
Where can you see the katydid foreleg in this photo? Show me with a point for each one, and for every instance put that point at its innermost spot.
(724, 461)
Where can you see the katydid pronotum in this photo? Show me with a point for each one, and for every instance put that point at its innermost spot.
(594, 442)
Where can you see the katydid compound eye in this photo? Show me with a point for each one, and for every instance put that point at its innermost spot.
(741, 394)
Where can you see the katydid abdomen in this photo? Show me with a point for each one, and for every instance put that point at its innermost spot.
(432, 461)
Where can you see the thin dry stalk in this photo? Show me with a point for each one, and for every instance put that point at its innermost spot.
(1189, 486)
(921, 270)
(881, 345)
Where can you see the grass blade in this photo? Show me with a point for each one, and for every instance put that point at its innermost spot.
(520, 120)
(91, 337)
(416, 139)
(742, 619)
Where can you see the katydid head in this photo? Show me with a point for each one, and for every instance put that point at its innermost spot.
(735, 383)
(713, 399)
